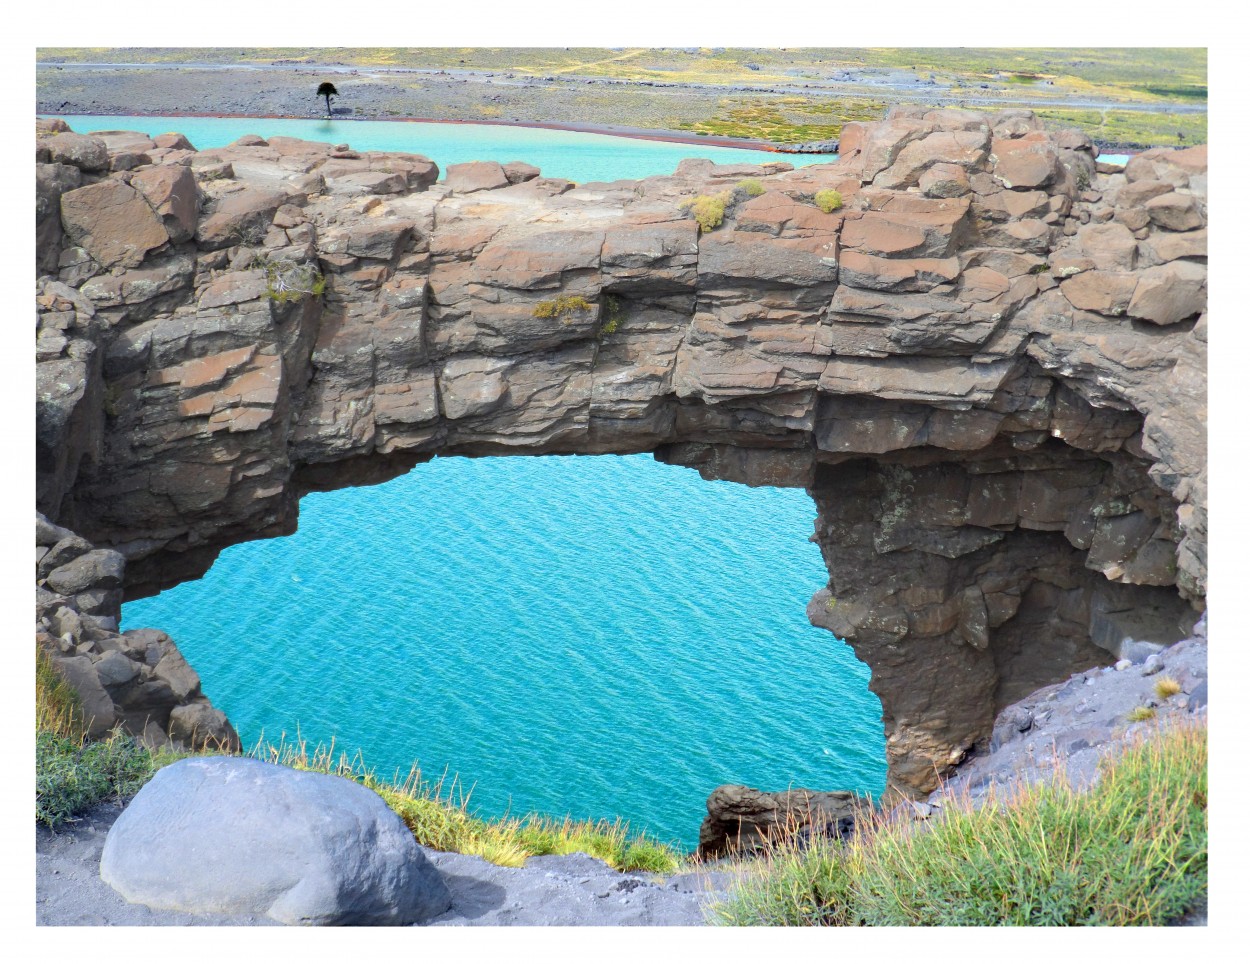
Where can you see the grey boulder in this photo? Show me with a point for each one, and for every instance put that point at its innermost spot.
(238, 836)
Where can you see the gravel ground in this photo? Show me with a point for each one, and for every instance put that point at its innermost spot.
(549, 891)
(68, 888)
(1074, 724)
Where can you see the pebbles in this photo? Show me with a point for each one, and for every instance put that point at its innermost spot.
(1085, 718)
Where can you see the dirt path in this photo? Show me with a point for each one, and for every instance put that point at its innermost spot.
(596, 63)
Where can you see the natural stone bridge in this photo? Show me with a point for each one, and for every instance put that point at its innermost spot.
(987, 366)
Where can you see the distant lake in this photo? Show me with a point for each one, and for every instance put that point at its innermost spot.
(577, 156)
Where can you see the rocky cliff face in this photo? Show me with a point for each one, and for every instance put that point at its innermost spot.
(986, 364)
(137, 680)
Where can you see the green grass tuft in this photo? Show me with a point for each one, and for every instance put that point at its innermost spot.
(57, 707)
(708, 209)
(1131, 850)
(1166, 687)
(561, 306)
(438, 815)
(1141, 714)
(612, 310)
(788, 886)
(828, 200)
(751, 186)
(71, 775)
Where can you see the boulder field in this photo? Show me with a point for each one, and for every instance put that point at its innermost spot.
(982, 352)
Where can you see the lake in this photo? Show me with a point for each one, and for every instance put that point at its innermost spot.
(577, 156)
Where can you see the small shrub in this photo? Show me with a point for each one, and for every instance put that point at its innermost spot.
(708, 209)
(751, 186)
(562, 306)
(291, 281)
(1141, 714)
(1166, 686)
(71, 776)
(612, 315)
(828, 200)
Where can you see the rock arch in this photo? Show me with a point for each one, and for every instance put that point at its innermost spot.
(987, 365)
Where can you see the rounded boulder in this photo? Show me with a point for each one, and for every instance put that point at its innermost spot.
(239, 836)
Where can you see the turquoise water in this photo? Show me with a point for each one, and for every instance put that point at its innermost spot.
(596, 636)
(576, 156)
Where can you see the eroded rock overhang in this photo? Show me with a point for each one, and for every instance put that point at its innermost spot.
(987, 365)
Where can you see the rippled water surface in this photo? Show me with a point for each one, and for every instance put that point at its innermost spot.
(596, 636)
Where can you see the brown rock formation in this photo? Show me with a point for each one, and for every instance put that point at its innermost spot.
(137, 680)
(743, 819)
(987, 366)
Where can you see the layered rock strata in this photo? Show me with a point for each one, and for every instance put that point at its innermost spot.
(984, 357)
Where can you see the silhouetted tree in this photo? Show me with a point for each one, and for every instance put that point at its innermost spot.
(327, 90)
